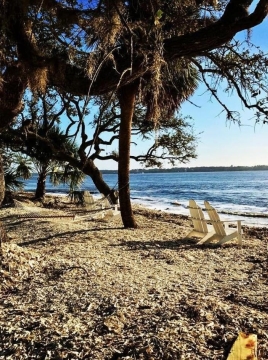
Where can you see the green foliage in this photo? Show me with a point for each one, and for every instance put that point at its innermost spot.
(16, 167)
(25, 166)
(12, 181)
(91, 48)
(67, 175)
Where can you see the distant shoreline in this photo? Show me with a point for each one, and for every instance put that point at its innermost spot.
(194, 169)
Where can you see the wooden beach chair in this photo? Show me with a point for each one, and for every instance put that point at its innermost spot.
(88, 200)
(101, 209)
(103, 203)
(201, 229)
(110, 214)
(222, 232)
(83, 198)
(111, 211)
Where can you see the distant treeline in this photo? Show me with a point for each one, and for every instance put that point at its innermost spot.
(194, 169)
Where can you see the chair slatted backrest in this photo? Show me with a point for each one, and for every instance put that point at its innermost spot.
(107, 202)
(197, 217)
(215, 219)
(88, 199)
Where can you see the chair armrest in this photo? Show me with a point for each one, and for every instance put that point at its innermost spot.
(232, 220)
(238, 224)
(193, 218)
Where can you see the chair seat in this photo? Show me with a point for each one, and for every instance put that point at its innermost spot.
(200, 227)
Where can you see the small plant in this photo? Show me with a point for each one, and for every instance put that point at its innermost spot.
(70, 176)
(76, 197)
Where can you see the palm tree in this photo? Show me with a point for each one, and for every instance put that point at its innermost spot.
(25, 166)
(58, 174)
(162, 93)
(43, 168)
(45, 163)
(15, 167)
(69, 175)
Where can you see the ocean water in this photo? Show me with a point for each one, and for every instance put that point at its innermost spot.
(235, 194)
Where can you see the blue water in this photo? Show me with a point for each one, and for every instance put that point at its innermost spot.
(239, 194)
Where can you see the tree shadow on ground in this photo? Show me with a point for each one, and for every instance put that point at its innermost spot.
(70, 234)
(179, 244)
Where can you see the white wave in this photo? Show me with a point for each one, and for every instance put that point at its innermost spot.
(235, 212)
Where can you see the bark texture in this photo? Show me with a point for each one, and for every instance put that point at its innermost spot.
(40, 191)
(89, 168)
(127, 101)
(2, 180)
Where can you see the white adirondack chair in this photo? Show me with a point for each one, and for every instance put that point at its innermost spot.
(111, 214)
(111, 210)
(201, 229)
(88, 200)
(104, 202)
(222, 232)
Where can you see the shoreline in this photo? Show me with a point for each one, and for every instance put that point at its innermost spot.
(248, 219)
(60, 201)
(226, 193)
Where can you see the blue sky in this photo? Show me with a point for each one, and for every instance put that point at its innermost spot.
(223, 143)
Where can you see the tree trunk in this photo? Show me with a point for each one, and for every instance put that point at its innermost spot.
(91, 170)
(40, 191)
(3, 238)
(3, 235)
(14, 83)
(2, 180)
(88, 167)
(126, 98)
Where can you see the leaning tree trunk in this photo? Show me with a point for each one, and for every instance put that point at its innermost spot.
(88, 167)
(40, 191)
(2, 180)
(91, 170)
(126, 98)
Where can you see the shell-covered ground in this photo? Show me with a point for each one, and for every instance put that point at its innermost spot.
(86, 289)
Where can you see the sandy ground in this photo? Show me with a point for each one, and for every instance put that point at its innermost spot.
(85, 289)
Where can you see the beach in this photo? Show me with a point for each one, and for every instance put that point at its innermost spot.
(85, 289)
